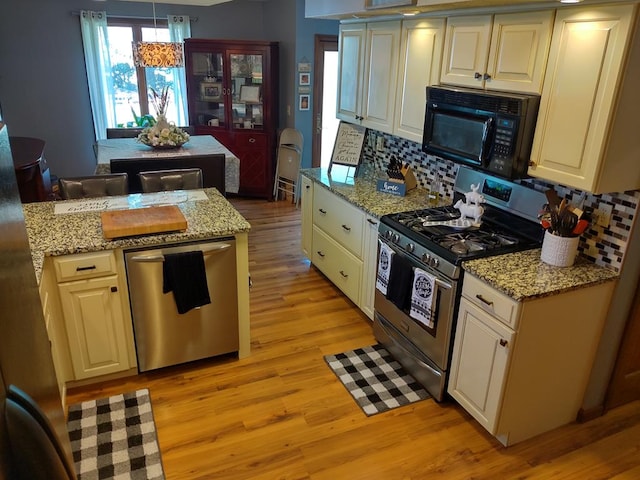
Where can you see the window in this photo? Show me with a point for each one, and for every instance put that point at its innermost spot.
(118, 91)
(131, 84)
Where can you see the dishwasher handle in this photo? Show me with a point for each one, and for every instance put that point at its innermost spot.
(160, 258)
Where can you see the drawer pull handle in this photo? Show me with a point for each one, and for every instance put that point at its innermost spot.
(503, 342)
(344, 274)
(324, 212)
(348, 229)
(371, 221)
(483, 300)
(114, 289)
(252, 140)
(82, 269)
(320, 254)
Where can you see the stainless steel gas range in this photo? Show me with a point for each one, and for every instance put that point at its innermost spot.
(420, 258)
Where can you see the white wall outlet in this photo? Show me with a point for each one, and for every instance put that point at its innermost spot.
(602, 214)
(380, 143)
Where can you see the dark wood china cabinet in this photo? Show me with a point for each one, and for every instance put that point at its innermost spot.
(232, 90)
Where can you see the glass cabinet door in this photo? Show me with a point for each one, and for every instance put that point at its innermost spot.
(208, 70)
(246, 90)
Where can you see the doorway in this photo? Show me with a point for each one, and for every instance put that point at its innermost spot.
(325, 85)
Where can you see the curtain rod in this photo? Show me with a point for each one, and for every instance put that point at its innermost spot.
(133, 17)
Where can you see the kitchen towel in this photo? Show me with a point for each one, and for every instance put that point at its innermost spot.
(384, 267)
(424, 285)
(400, 278)
(184, 274)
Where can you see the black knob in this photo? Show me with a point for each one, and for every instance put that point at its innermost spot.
(477, 76)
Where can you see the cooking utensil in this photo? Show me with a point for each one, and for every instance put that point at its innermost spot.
(581, 226)
(567, 222)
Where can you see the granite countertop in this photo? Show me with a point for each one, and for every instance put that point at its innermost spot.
(523, 276)
(53, 234)
(361, 191)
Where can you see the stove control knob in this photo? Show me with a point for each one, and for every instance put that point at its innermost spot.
(396, 238)
(410, 247)
(388, 234)
(435, 262)
(426, 258)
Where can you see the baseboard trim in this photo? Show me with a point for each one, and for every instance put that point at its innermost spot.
(585, 415)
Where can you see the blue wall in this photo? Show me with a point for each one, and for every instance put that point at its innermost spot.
(43, 86)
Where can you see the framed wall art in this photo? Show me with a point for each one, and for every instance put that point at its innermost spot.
(303, 103)
(211, 91)
(304, 78)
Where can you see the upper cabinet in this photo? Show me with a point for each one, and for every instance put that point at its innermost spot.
(367, 73)
(500, 52)
(232, 90)
(419, 66)
(587, 135)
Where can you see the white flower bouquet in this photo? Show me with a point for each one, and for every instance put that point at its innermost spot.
(163, 134)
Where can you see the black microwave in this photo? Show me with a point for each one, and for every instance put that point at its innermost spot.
(490, 131)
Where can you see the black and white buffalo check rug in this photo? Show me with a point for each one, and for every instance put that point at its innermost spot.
(375, 380)
(115, 438)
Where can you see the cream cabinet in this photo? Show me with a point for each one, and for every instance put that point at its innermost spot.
(500, 52)
(521, 368)
(98, 329)
(369, 264)
(419, 66)
(54, 323)
(367, 73)
(343, 244)
(306, 200)
(586, 135)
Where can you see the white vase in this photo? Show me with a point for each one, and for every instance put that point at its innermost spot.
(559, 251)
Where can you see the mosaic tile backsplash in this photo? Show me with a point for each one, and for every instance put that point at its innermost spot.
(603, 246)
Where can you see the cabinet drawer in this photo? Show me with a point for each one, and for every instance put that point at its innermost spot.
(342, 268)
(339, 219)
(84, 265)
(503, 307)
(250, 140)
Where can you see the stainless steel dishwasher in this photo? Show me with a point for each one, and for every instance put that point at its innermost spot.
(164, 337)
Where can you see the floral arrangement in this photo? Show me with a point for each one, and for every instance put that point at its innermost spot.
(163, 134)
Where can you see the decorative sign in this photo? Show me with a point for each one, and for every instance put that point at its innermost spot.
(398, 189)
(348, 147)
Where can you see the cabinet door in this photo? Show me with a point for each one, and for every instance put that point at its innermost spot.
(246, 69)
(481, 353)
(369, 265)
(420, 60)
(585, 62)
(256, 172)
(465, 50)
(381, 74)
(207, 92)
(306, 199)
(519, 49)
(350, 72)
(95, 330)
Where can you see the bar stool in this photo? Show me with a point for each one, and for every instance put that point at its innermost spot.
(165, 180)
(93, 186)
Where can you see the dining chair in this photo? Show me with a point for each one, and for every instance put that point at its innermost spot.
(93, 186)
(288, 161)
(165, 180)
(212, 166)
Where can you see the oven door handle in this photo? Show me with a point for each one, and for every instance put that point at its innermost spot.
(414, 355)
(439, 284)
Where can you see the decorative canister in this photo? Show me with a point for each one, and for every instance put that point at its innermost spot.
(559, 251)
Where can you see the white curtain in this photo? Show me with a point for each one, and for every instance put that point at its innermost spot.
(96, 58)
(179, 29)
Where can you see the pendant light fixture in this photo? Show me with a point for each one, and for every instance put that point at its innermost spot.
(157, 54)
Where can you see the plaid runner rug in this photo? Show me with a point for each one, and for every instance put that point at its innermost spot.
(115, 437)
(375, 380)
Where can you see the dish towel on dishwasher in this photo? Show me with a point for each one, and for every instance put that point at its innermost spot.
(424, 285)
(184, 274)
(384, 267)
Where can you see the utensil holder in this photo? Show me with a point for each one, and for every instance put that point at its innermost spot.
(559, 251)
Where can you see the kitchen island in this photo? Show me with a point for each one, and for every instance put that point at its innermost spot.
(59, 239)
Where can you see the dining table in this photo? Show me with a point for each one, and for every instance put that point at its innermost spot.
(124, 148)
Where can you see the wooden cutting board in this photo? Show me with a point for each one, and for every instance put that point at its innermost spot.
(142, 221)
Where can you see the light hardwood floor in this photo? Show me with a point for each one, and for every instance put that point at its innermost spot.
(282, 414)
